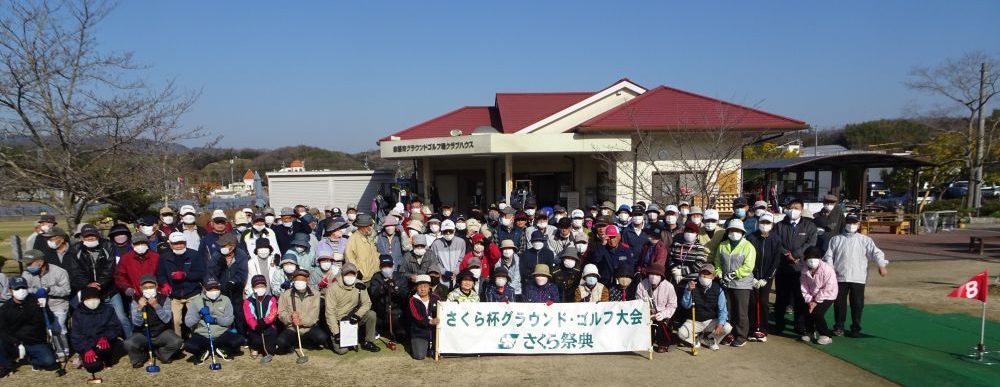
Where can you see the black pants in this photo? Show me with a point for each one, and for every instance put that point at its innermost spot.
(263, 342)
(228, 342)
(661, 333)
(759, 308)
(314, 338)
(789, 292)
(816, 322)
(856, 294)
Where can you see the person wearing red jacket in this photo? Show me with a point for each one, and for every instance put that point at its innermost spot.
(654, 251)
(487, 252)
(134, 264)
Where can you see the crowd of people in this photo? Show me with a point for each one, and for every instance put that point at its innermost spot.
(170, 286)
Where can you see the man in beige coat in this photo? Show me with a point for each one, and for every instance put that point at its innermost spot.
(299, 309)
(347, 300)
(361, 248)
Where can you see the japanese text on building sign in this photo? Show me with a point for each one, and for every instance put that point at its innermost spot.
(437, 146)
(538, 328)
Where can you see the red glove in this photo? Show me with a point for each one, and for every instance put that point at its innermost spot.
(165, 289)
(89, 356)
(102, 343)
(548, 303)
(323, 283)
(178, 275)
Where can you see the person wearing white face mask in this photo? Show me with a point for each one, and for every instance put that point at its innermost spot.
(390, 240)
(590, 289)
(734, 263)
(660, 294)
(449, 250)
(135, 264)
(683, 210)
(849, 254)
(623, 216)
(167, 221)
(58, 251)
(261, 262)
(189, 227)
(388, 291)
(210, 307)
(347, 300)
(45, 224)
(96, 330)
(567, 273)
(832, 215)
(180, 273)
(499, 290)
(352, 217)
(796, 235)
(653, 216)
(299, 310)
(260, 311)
(769, 256)
(537, 254)
(634, 235)
(281, 280)
(510, 260)
(486, 253)
(23, 322)
(94, 265)
(712, 312)
(542, 224)
(301, 244)
(150, 307)
(819, 291)
(51, 279)
(540, 288)
(286, 229)
(686, 255)
(417, 261)
(229, 264)
(361, 249)
(711, 234)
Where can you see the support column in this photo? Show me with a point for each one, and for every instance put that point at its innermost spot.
(426, 179)
(508, 176)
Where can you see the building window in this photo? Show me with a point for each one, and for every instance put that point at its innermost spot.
(605, 188)
(673, 187)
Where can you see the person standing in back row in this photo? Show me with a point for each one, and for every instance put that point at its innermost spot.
(849, 253)
(796, 235)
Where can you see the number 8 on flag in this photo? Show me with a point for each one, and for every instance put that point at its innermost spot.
(974, 289)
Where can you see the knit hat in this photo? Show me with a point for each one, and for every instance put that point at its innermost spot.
(348, 268)
(656, 268)
(500, 271)
(611, 230)
(475, 262)
(85, 294)
(565, 223)
(118, 229)
(258, 280)
(813, 252)
(590, 270)
(264, 243)
(691, 227)
(435, 268)
(570, 252)
(538, 236)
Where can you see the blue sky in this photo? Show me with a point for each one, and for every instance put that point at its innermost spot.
(340, 75)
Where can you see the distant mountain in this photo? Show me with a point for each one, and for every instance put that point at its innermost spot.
(214, 164)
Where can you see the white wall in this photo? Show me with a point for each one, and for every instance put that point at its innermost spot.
(326, 190)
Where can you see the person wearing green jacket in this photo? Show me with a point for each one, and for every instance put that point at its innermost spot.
(734, 262)
(210, 313)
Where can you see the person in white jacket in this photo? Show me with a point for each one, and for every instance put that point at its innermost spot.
(261, 262)
(849, 253)
(258, 232)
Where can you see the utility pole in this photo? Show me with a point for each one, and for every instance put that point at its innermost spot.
(980, 140)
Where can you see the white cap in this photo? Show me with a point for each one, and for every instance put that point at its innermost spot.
(576, 214)
(671, 208)
(176, 237)
(590, 269)
(447, 225)
(247, 210)
(736, 224)
(766, 216)
(712, 214)
(219, 214)
(188, 209)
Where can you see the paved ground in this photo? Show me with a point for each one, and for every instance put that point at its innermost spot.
(924, 269)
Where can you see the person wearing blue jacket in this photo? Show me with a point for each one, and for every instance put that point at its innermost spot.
(180, 273)
(96, 329)
(231, 270)
(611, 255)
(711, 313)
(537, 254)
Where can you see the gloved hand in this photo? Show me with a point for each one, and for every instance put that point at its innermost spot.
(178, 275)
(756, 284)
(206, 315)
(286, 285)
(90, 356)
(130, 293)
(102, 343)
(447, 276)
(21, 352)
(41, 293)
(166, 289)
(731, 276)
(354, 319)
(323, 283)
(548, 303)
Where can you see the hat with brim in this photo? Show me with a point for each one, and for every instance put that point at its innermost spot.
(656, 268)
(337, 224)
(541, 269)
(466, 275)
(55, 231)
(501, 271)
(363, 220)
(422, 279)
(507, 244)
(147, 279)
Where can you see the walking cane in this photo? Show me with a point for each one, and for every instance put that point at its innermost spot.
(437, 334)
(392, 334)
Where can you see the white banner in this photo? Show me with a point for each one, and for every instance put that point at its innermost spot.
(530, 328)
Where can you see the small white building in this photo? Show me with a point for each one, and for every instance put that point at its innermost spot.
(327, 189)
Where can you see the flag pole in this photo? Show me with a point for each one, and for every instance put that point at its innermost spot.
(981, 348)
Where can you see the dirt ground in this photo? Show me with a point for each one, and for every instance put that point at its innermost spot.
(922, 284)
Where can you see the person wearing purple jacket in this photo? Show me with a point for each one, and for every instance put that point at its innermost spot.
(819, 289)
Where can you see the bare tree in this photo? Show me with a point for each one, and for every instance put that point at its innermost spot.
(687, 162)
(78, 124)
(959, 80)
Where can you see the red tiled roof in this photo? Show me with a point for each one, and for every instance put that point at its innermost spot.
(248, 175)
(668, 108)
(519, 110)
(296, 164)
(465, 119)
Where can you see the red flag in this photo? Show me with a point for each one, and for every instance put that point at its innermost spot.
(975, 289)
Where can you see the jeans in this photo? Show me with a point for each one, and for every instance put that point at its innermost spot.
(119, 307)
(419, 348)
(40, 355)
(854, 292)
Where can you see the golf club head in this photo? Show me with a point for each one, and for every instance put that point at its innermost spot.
(95, 380)
(152, 368)
(215, 366)
(391, 345)
(302, 360)
(60, 372)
